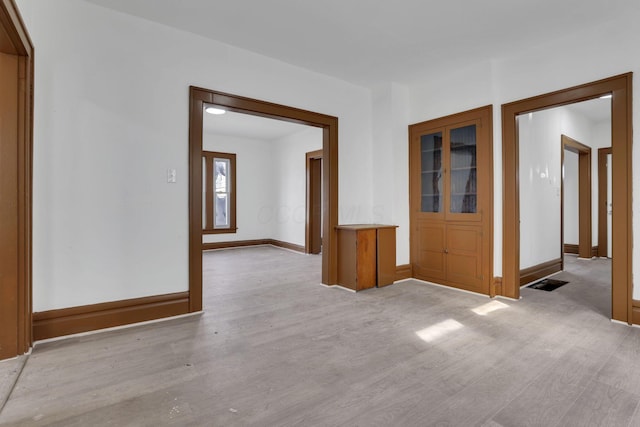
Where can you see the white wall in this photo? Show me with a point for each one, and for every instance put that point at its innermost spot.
(26, 7)
(540, 180)
(390, 157)
(254, 189)
(111, 115)
(289, 176)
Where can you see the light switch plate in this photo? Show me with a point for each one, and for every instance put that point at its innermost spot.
(171, 175)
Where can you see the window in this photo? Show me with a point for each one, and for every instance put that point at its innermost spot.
(219, 193)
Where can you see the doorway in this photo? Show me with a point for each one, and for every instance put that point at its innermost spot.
(619, 88)
(313, 235)
(198, 97)
(16, 111)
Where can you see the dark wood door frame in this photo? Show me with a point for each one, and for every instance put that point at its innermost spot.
(313, 226)
(603, 233)
(198, 97)
(584, 196)
(16, 115)
(620, 87)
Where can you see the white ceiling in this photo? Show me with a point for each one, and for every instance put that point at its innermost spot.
(248, 126)
(371, 41)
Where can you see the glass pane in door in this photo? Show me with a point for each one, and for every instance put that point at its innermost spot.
(431, 168)
(463, 170)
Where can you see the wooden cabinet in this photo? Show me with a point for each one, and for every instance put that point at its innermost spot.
(366, 255)
(451, 200)
(450, 254)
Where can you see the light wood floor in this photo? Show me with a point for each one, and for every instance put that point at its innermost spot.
(275, 348)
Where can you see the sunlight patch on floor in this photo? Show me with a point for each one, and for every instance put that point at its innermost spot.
(433, 332)
(489, 307)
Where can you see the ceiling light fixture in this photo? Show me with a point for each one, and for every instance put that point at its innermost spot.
(214, 110)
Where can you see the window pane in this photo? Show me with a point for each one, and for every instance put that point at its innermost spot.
(221, 172)
(463, 170)
(221, 211)
(431, 153)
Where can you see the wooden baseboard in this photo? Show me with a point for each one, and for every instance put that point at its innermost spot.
(67, 321)
(496, 287)
(236, 244)
(403, 272)
(635, 312)
(570, 248)
(531, 274)
(256, 242)
(286, 245)
(574, 249)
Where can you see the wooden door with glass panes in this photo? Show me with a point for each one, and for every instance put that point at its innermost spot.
(451, 200)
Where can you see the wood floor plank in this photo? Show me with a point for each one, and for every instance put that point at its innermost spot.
(546, 400)
(9, 371)
(488, 394)
(621, 370)
(602, 405)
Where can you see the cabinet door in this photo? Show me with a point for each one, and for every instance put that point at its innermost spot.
(464, 256)
(431, 183)
(348, 265)
(386, 254)
(462, 173)
(445, 173)
(429, 253)
(366, 259)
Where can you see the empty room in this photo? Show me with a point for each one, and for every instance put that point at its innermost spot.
(329, 213)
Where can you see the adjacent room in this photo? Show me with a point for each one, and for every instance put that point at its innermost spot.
(266, 202)
(560, 201)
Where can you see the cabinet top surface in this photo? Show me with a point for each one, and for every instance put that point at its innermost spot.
(363, 226)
